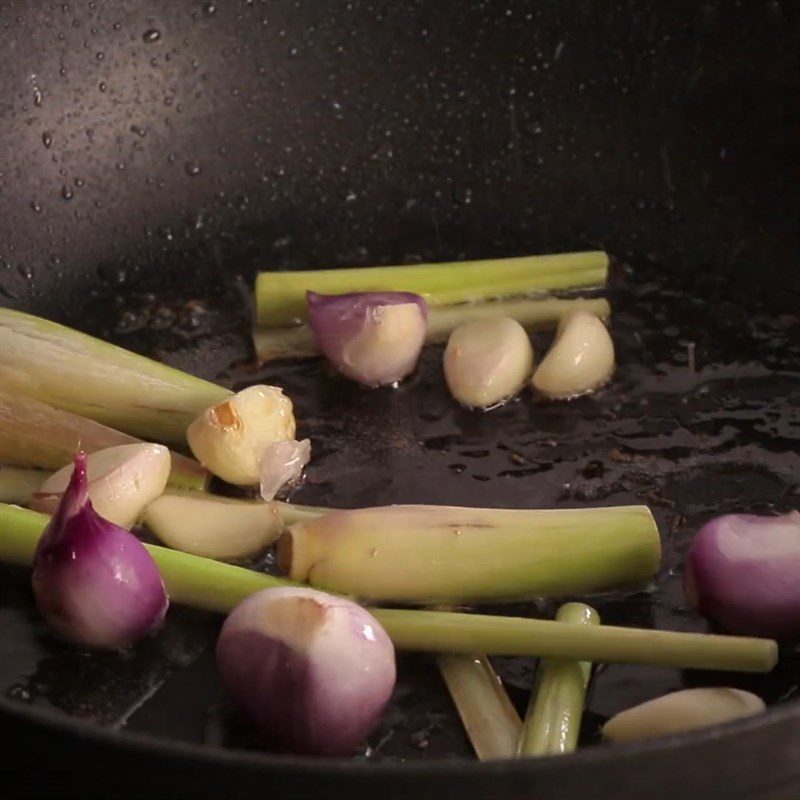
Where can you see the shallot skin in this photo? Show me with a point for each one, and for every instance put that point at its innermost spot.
(374, 338)
(743, 571)
(312, 671)
(94, 582)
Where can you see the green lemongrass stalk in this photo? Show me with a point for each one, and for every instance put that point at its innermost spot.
(450, 555)
(281, 296)
(17, 484)
(216, 586)
(490, 720)
(531, 314)
(78, 373)
(34, 434)
(553, 721)
(291, 513)
(190, 580)
(273, 344)
(442, 631)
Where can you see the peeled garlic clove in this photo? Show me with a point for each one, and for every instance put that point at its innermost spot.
(229, 439)
(122, 481)
(282, 463)
(487, 361)
(681, 711)
(580, 360)
(211, 526)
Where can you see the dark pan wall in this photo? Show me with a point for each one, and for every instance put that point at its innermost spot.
(147, 143)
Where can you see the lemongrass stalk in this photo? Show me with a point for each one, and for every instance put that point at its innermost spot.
(490, 720)
(78, 373)
(290, 513)
(216, 586)
(190, 580)
(446, 555)
(281, 296)
(34, 434)
(442, 631)
(553, 721)
(531, 314)
(17, 484)
(273, 344)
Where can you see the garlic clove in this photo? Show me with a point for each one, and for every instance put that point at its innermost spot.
(229, 439)
(580, 360)
(122, 481)
(487, 361)
(213, 527)
(681, 711)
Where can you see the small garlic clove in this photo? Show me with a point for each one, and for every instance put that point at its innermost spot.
(487, 361)
(122, 481)
(681, 711)
(213, 527)
(229, 439)
(282, 463)
(580, 360)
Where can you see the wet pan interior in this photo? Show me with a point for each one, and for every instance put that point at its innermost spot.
(702, 415)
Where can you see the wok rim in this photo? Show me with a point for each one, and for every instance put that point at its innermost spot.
(58, 721)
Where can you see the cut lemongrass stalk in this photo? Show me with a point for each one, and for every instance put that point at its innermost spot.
(291, 513)
(281, 296)
(444, 554)
(211, 526)
(215, 586)
(34, 434)
(78, 373)
(17, 484)
(442, 631)
(553, 721)
(273, 344)
(490, 720)
(533, 315)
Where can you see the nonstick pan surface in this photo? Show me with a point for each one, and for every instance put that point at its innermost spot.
(158, 256)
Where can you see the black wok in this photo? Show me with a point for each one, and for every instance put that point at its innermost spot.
(153, 156)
